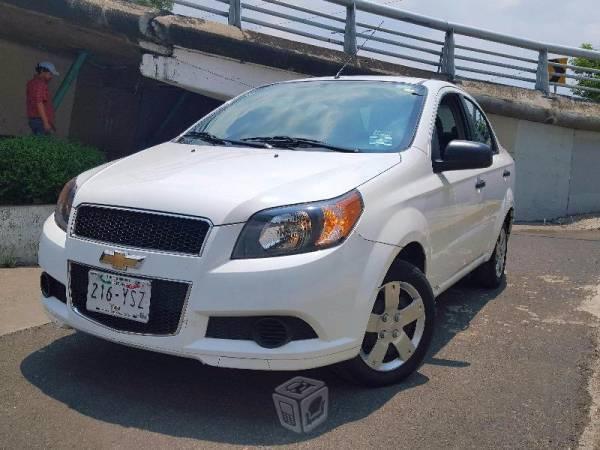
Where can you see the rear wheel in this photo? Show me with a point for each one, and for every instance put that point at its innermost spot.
(399, 329)
(491, 273)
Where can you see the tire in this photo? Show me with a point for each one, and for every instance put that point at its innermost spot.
(492, 273)
(400, 336)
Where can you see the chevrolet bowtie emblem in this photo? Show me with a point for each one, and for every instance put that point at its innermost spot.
(121, 261)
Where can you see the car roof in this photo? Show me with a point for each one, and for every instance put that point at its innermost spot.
(384, 78)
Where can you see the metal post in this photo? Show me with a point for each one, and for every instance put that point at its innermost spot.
(448, 67)
(542, 82)
(235, 13)
(71, 76)
(350, 30)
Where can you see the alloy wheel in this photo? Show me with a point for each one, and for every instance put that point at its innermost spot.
(501, 253)
(395, 327)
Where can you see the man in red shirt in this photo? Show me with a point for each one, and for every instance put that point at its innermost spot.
(39, 104)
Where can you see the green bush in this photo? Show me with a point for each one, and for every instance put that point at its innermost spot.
(34, 169)
(588, 64)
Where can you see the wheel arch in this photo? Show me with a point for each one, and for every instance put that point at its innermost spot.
(509, 219)
(413, 253)
(412, 250)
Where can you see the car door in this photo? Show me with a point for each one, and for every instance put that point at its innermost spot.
(495, 177)
(454, 209)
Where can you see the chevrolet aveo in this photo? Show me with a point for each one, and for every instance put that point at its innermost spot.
(301, 224)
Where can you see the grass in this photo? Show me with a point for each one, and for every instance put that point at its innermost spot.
(9, 261)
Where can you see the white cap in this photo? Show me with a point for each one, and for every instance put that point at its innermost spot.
(49, 67)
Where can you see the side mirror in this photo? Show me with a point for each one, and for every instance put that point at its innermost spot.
(462, 155)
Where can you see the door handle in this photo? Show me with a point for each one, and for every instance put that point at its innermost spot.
(506, 173)
(480, 184)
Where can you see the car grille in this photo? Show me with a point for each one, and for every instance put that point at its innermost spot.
(166, 304)
(141, 229)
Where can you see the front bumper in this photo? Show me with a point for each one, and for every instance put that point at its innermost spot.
(332, 290)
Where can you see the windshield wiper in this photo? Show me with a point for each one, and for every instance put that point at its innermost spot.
(212, 139)
(291, 142)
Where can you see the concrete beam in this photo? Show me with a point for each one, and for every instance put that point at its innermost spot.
(209, 75)
(525, 104)
(66, 38)
(121, 17)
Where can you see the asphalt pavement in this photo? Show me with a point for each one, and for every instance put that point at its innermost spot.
(512, 368)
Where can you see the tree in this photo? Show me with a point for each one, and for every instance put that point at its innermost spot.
(588, 64)
(159, 4)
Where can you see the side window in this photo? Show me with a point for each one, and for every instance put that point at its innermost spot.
(481, 131)
(449, 125)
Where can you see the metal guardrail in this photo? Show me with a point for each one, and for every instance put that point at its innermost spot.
(439, 54)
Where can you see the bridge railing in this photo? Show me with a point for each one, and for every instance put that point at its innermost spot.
(442, 53)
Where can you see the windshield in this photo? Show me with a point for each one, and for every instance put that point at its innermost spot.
(365, 116)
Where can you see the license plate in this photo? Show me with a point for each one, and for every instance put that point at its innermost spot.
(119, 296)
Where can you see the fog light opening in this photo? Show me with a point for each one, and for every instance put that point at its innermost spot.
(45, 284)
(271, 333)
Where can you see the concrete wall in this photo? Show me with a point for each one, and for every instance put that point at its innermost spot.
(106, 108)
(20, 230)
(119, 111)
(556, 168)
(18, 64)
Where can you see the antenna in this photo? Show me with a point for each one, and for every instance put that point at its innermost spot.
(367, 39)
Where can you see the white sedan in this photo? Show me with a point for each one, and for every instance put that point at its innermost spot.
(301, 224)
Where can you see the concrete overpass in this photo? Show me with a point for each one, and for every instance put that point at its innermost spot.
(555, 140)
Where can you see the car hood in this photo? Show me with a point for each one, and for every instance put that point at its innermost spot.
(228, 184)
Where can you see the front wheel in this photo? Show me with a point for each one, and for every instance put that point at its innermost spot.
(399, 329)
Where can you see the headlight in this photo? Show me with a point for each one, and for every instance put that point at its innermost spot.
(299, 228)
(64, 204)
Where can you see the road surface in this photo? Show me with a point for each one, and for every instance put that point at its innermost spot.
(512, 368)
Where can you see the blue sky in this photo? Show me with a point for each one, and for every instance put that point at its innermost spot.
(566, 22)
